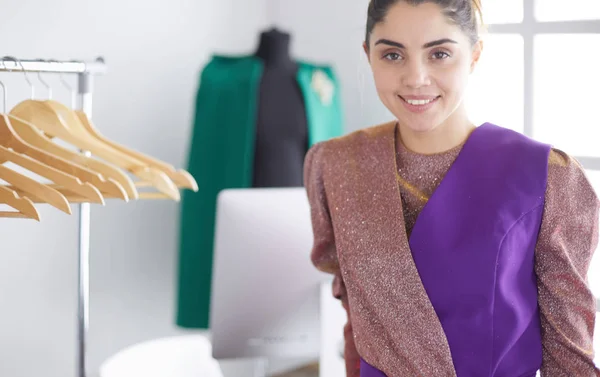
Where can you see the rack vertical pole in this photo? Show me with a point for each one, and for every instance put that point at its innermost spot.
(85, 104)
(86, 72)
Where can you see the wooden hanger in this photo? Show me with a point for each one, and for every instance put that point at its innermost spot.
(180, 177)
(69, 182)
(35, 189)
(24, 206)
(40, 168)
(78, 122)
(30, 186)
(53, 125)
(25, 138)
(85, 127)
(59, 170)
(75, 198)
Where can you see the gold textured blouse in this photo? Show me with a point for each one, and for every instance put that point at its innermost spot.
(566, 243)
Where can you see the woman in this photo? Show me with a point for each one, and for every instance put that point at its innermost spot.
(457, 250)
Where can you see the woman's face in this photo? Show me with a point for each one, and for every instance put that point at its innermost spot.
(421, 64)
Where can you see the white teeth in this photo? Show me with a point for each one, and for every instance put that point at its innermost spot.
(419, 102)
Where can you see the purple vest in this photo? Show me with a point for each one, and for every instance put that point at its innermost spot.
(473, 245)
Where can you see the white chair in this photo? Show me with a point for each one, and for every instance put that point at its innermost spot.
(178, 356)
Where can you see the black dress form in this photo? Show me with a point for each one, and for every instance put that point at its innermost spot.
(281, 127)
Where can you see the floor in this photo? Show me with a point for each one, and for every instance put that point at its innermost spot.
(307, 371)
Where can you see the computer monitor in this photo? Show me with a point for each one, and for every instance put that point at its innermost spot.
(265, 300)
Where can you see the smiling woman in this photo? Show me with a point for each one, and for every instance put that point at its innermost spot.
(422, 78)
(457, 250)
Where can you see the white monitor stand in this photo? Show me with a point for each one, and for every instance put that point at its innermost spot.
(333, 319)
(268, 302)
(331, 353)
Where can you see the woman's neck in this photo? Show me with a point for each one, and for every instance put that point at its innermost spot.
(453, 132)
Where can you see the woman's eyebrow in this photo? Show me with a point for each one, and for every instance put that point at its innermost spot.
(426, 45)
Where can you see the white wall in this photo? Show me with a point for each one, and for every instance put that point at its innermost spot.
(154, 50)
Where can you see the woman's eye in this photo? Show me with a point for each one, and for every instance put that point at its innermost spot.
(441, 55)
(392, 56)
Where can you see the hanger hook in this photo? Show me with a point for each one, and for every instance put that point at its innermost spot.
(66, 85)
(3, 91)
(17, 61)
(43, 82)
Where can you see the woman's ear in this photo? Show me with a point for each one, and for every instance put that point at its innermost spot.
(366, 49)
(476, 55)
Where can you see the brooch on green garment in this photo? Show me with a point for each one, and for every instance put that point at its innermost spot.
(323, 86)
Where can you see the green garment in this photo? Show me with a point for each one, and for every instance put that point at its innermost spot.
(222, 156)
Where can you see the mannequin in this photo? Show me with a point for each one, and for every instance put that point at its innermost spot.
(256, 116)
(281, 129)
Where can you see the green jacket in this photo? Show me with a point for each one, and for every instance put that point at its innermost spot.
(222, 154)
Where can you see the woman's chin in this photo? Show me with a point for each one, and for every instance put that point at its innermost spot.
(418, 126)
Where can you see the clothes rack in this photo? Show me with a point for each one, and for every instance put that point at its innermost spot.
(85, 72)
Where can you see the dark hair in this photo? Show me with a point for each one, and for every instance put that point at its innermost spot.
(461, 12)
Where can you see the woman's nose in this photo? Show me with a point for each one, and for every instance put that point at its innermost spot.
(415, 75)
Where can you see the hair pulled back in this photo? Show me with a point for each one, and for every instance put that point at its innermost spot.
(467, 14)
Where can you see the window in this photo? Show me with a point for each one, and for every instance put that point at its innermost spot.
(503, 11)
(566, 81)
(539, 76)
(508, 49)
(560, 10)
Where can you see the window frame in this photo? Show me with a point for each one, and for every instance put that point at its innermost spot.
(528, 28)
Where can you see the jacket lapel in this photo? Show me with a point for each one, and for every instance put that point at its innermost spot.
(389, 305)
